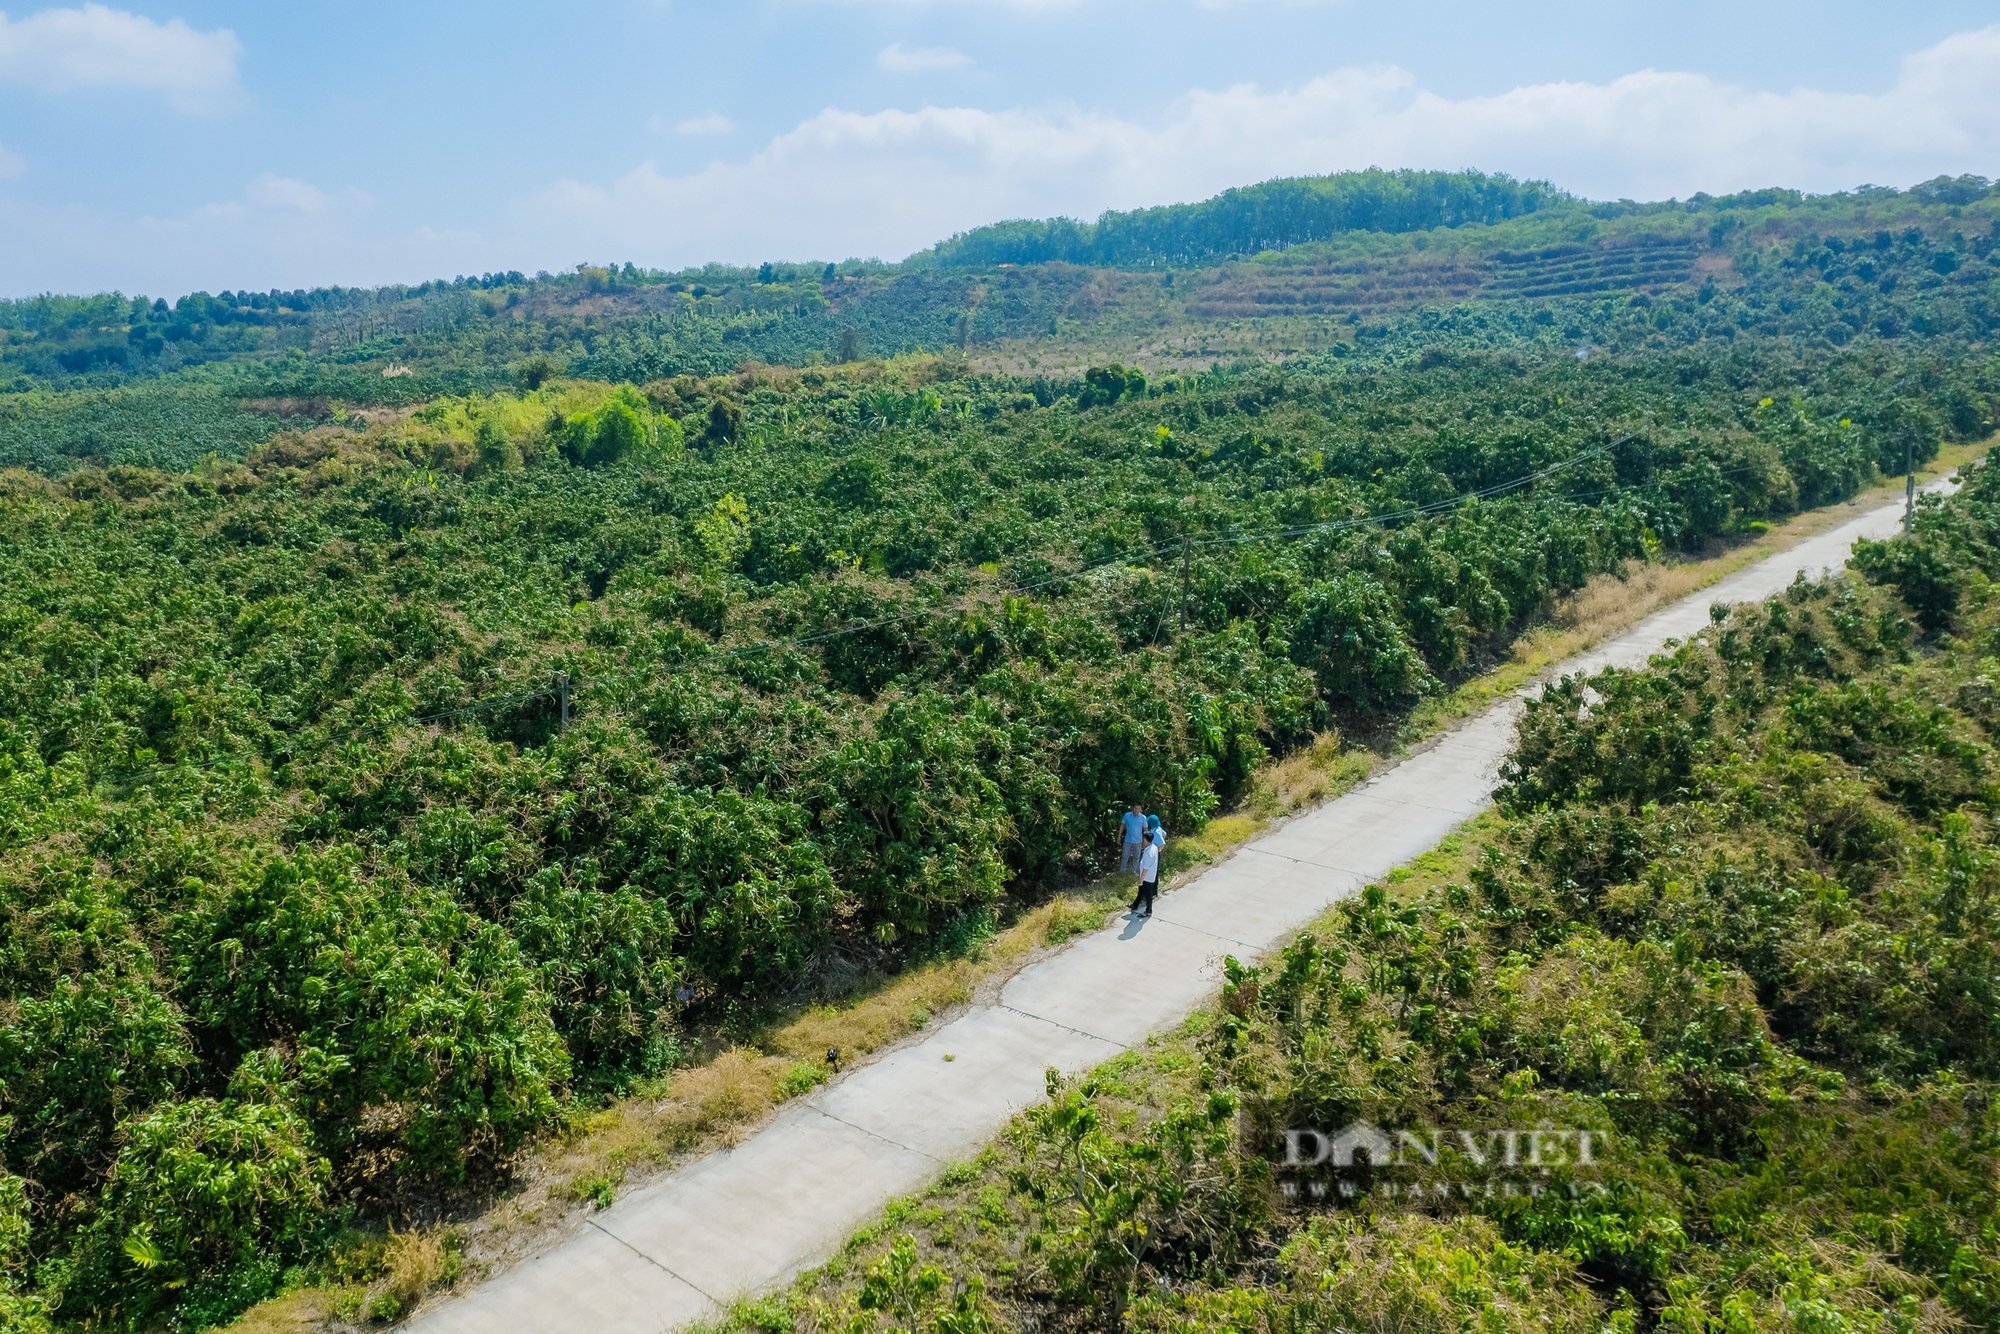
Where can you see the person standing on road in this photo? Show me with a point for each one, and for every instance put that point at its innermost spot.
(1149, 879)
(1133, 834)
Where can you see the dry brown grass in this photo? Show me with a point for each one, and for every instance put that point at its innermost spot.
(301, 1312)
(901, 1007)
(1606, 604)
(1071, 916)
(1308, 777)
(376, 1279)
(708, 1104)
(413, 1264)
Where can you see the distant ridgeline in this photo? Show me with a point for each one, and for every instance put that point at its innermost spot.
(1273, 216)
(1358, 262)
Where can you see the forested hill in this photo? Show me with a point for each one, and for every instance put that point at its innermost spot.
(1272, 216)
(1266, 272)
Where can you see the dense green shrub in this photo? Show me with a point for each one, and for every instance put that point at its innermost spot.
(408, 1024)
(90, 1036)
(624, 427)
(20, 1310)
(607, 964)
(207, 1204)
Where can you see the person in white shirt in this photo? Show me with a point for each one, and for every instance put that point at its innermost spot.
(1149, 879)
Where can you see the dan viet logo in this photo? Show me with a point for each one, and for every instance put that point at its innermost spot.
(1437, 1164)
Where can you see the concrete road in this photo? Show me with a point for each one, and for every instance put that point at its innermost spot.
(747, 1219)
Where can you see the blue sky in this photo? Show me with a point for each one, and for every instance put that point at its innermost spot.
(207, 144)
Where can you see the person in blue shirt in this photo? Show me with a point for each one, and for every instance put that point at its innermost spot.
(1133, 831)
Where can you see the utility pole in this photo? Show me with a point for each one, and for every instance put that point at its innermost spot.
(1186, 565)
(1909, 487)
(562, 693)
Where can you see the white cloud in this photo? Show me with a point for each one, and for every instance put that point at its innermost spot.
(99, 47)
(712, 125)
(900, 59)
(11, 164)
(285, 192)
(283, 202)
(887, 182)
(281, 196)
